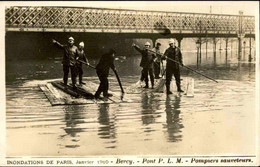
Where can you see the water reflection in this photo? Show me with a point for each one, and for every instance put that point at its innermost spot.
(149, 105)
(73, 117)
(174, 122)
(107, 128)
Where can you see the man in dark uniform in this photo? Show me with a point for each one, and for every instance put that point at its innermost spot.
(105, 63)
(69, 60)
(157, 61)
(82, 57)
(173, 53)
(146, 64)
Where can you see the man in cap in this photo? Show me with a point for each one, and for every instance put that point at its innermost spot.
(105, 63)
(172, 67)
(69, 60)
(157, 61)
(82, 57)
(146, 64)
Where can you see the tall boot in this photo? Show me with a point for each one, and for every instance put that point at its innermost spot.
(97, 94)
(65, 81)
(179, 87)
(168, 92)
(152, 84)
(80, 79)
(146, 84)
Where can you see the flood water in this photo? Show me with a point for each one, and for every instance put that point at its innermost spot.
(218, 120)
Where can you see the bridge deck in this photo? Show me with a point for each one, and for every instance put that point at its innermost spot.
(59, 19)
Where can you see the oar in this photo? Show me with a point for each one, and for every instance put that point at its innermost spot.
(119, 82)
(187, 67)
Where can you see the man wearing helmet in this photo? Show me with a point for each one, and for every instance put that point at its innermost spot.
(146, 64)
(172, 67)
(69, 60)
(82, 57)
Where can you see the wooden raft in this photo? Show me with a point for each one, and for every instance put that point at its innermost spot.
(58, 94)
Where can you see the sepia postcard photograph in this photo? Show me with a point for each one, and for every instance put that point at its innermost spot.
(129, 83)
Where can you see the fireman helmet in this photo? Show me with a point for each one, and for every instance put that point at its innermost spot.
(81, 44)
(71, 40)
(171, 41)
(147, 44)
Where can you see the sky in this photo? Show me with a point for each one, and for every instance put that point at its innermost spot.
(218, 7)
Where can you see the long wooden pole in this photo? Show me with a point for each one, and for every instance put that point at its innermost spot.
(119, 82)
(117, 77)
(187, 67)
(83, 62)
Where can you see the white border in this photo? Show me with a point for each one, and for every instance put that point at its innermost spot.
(113, 158)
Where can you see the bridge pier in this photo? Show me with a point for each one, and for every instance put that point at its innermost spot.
(206, 48)
(179, 39)
(214, 49)
(154, 41)
(250, 45)
(200, 48)
(239, 48)
(231, 42)
(226, 49)
(244, 54)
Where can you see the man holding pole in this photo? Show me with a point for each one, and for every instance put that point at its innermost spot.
(105, 63)
(173, 53)
(80, 57)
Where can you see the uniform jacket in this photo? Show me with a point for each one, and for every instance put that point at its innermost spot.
(81, 56)
(158, 56)
(175, 54)
(69, 57)
(147, 58)
(105, 63)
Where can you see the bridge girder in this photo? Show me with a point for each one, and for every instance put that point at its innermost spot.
(100, 20)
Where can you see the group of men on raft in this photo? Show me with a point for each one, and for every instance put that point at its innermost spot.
(150, 62)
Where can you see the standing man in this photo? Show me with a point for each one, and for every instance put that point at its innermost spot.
(105, 63)
(69, 60)
(82, 57)
(172, 67)
(146, 64)
(157, 61)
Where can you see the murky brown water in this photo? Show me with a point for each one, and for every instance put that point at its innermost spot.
(219, 120)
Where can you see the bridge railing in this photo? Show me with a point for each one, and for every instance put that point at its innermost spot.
(103, 20)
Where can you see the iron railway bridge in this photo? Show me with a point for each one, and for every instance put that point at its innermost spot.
(136, 23)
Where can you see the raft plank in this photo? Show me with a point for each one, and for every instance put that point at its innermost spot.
(50, 96)
(58, 95)
(54, 91)
(62, 87)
